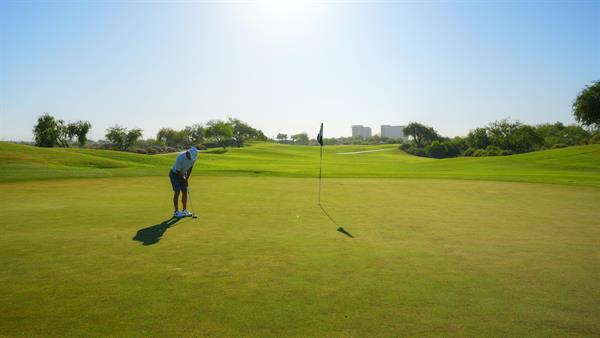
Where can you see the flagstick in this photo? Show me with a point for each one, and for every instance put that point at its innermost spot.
(320, 170)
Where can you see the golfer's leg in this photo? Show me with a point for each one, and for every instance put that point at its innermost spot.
(184, 199)
(176, 200)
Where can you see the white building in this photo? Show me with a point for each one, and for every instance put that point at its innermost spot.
(396, 132)
(361, 131)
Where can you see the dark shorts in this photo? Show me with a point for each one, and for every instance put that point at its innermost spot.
(176, 182)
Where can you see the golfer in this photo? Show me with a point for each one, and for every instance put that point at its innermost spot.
(179, 175)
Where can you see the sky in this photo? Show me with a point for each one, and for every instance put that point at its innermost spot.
(286, 66)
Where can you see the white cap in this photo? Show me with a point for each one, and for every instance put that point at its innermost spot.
(193, 153)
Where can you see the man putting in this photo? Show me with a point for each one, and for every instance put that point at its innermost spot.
(179, 175)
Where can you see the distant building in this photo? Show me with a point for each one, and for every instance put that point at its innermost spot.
(396, 132)
(361, 131)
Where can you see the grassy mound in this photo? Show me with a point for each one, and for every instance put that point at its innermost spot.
(573, 165)
(25, 163)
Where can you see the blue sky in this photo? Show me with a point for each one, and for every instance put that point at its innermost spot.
(287, 66)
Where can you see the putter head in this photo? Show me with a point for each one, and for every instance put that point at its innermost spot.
(194, 216)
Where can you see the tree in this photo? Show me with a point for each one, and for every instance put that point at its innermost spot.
(525, 139)
(218, 131)
(241, 131)
(167, 136)
(421, 135)
(375, 139)
(550, 133)
(478, 138)
(175, 138)
(63, 135)
(260, 136)
(132, 137)
(183, 137)
(586, 106)
(122, 138)
(71, 131)
(79, 129)
(164, 134)
(573, 135)
(117, 136)
(282, 137)
(501, 133)
(49, 132)
(301, 138)
(196, 133)
(330, 141)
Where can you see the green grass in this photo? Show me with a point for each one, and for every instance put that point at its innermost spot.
(571, 166)
(429, 257)
(473, 255)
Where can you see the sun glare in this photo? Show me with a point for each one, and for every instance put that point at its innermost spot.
(280, 9)
(280, 16)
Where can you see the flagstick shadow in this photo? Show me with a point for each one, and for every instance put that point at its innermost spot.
(340, 228)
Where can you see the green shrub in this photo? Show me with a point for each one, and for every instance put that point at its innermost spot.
(458, 143)
(455, 147)
(404, 146)
(480, 153)
(436, 149)
(469, 152)
(559, 145)
(493, 151)
(506, 153)
(141, 151)
(416, 151)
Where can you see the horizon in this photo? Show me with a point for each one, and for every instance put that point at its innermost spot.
(285, 67)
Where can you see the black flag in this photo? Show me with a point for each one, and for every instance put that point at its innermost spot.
(320, 136)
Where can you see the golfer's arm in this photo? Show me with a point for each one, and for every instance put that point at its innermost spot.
(190, 171)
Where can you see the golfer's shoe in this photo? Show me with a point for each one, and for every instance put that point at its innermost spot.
(178, 214)
(186, 213)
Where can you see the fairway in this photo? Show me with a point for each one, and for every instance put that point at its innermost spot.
(571, 166)
(100, 256)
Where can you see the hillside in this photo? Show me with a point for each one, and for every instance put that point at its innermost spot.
(573, 166)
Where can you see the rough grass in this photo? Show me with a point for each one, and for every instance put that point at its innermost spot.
(571, 166)
(428, 258)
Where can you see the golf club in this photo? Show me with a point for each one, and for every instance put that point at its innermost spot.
(191, 204)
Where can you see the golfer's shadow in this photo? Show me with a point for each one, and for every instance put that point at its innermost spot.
(153, 234)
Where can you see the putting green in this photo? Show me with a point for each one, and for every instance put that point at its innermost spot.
(428, 257)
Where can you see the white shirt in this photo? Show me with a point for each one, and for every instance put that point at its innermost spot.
(182, 164)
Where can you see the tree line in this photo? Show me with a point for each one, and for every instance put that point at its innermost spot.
(499, 138)
(52, 132)
(505, 137)
(303, 139)
(502, 137)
